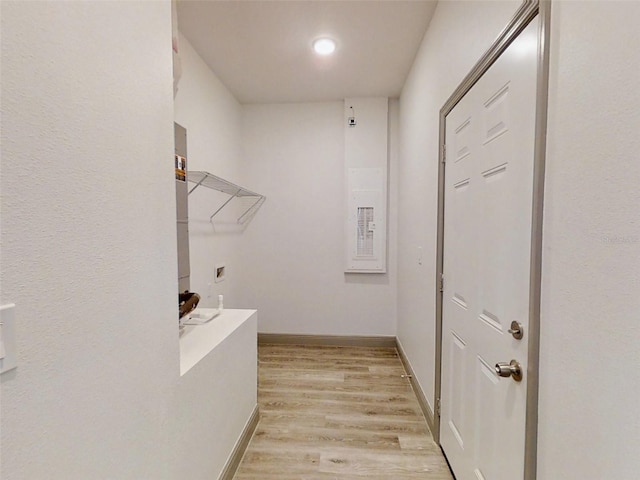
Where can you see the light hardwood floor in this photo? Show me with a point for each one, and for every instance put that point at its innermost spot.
(338, 413)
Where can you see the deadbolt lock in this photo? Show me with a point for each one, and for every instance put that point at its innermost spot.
(512, 369)
(516, 330)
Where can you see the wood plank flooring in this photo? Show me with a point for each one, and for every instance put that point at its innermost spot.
(338, 413)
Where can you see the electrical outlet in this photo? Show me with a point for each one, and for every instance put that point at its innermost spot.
(7, 338)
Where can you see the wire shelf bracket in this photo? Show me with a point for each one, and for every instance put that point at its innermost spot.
(208, 180)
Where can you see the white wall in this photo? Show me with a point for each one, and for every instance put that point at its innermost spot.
(88, 238)
(293, 250)
(211, 116)
(590, 329)
(591, 265)
(459, 33)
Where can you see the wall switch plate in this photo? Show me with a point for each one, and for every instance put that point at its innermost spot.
(7, 338)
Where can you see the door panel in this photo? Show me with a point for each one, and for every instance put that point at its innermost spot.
(486, 383)
(457, 371)
(487, 247)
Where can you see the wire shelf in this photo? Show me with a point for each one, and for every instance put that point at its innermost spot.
(208, 180)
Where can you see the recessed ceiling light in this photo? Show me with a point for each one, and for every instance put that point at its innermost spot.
(324, 46)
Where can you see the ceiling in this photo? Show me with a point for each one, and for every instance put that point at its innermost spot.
(261, 50)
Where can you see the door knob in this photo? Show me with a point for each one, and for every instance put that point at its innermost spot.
(516, 330)
(512, 369)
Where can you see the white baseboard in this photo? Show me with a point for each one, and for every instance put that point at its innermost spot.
(330, 340)
(422, 399)
(235, 458)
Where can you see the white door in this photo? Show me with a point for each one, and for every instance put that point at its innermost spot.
(487, 244)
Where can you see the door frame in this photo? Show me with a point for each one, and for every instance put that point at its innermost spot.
(527, 12)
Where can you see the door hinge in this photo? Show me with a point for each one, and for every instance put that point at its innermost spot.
(442, 283)
(444, 153)
(438, 407)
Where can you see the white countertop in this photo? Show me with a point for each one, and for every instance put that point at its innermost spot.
(196, 341)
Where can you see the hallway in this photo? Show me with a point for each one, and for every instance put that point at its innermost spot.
(338, 413)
